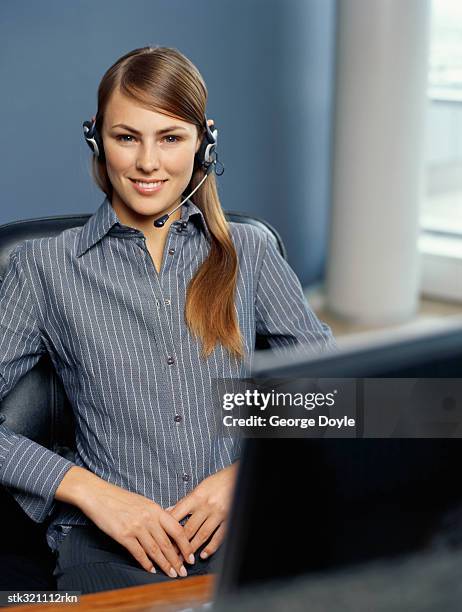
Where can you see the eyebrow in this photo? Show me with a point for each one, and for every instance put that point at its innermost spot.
(163, 131)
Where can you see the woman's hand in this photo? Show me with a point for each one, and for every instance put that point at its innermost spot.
(208, 504)
(138, 524)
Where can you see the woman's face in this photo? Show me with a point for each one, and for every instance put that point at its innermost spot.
(147, 146)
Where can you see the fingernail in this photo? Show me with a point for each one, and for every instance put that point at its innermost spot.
(183, 571)
(172, 573)
(153, 570)
(204, 555)
(191, 558)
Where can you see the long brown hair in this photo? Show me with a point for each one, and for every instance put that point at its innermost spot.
(164, 80)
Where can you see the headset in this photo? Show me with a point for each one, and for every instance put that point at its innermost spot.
(206, 156)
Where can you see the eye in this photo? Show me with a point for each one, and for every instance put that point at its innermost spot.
(177, 139)
(121, 136)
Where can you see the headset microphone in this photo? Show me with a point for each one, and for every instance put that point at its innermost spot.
(160, 222)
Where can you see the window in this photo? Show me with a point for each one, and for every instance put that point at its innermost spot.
(445, 77)
(442, 206)
(440, 242)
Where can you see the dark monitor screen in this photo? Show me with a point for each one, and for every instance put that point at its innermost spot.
(317, 505)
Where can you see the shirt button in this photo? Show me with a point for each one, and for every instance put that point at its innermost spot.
(178, 418)
(184, 224)
(170, 360)
(186, 477)
(171, 251)
(167, 301)
(179, 230)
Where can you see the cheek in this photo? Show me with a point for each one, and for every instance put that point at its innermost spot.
(181, 160)
(118, 159)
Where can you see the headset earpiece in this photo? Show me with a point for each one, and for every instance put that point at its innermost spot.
(207, 155)
(93, 139)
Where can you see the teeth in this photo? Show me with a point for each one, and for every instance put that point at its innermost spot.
(148, 185)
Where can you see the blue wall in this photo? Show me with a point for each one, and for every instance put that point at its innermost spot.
(269, 69)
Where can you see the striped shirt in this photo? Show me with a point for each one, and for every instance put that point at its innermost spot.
(114, 328)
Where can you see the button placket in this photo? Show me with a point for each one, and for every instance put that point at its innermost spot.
(170, 249)
(164, 345)
(169, 358)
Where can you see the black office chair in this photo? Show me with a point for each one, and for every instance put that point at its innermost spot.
(39, 409)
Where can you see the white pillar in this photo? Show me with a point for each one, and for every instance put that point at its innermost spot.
(378, 163)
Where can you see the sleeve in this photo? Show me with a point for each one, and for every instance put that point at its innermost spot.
(282, 313)
(29, 471)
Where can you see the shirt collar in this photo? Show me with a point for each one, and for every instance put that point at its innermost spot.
(99, 224)
(190, 211)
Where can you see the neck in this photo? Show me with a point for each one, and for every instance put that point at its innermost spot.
(145, 223)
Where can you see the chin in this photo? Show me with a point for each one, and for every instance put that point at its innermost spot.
(146, 209)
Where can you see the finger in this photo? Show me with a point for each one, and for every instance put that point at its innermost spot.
(154, 551)
(161, 536)
(174, 544)
(176, 531)
(184, 507)
(194, 523)
(215, 543)
(205, 532)
(138, 552)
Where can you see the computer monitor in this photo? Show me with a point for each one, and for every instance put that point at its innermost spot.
(304, 506)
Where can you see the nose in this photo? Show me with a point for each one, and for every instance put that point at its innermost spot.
(148, 159)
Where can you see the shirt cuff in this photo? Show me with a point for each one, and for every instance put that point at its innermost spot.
(32, 473)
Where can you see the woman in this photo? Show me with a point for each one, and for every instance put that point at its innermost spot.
(138, 319)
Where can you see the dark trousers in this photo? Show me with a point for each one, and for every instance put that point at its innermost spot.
(88, 560)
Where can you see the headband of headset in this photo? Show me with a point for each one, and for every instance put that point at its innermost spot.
(205, 156)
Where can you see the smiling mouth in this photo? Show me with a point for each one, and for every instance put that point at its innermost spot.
(148, 184)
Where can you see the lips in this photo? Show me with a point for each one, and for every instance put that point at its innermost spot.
(148, 187)
(148, 180)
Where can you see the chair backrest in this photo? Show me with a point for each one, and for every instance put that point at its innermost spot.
(38, 407)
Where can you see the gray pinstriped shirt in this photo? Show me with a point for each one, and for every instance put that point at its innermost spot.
(114, 328)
